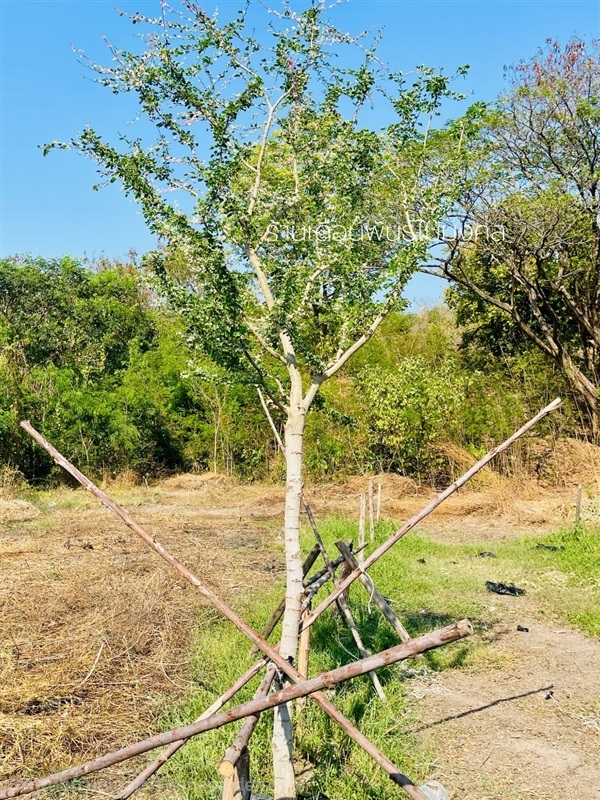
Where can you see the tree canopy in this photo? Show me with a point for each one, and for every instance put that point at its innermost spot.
(525, 265)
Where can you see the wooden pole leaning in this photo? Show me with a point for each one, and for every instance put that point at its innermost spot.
(149, 771)
(284, 666)
(234, 766)
(311, 687)
(374, 594)
(343, 606)
(437, 501)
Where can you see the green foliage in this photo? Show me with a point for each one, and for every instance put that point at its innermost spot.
(89, 358)
(411, 409)
(108, 374)
(288, 241)
(525, 275)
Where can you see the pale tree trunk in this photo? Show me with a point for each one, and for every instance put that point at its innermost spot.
(283, 766)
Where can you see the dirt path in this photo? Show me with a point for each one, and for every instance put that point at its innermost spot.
(528, 729)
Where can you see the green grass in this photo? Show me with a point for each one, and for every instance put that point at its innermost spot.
(430, 584)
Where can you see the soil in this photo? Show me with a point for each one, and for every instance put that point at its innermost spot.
(95, 632)
(529, 729)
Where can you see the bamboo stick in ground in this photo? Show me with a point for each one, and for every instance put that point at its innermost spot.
(376, 555)
(378, 514)
(371, 512)
(344, 608)
(149, 771)
(361, 527)
(375, 595)
(303, 656)
(240, 743)
(326, 705)
(311, 687)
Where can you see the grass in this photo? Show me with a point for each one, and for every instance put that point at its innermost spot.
(431, 584)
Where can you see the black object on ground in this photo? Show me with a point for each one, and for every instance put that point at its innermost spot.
(522, 629)
(486, 554)
(504, 588)
(553, 547)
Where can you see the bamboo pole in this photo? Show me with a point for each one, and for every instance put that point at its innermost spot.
(146, 773)
(375, 595)
(276, 616)
(344, 608)
(378, 514)
(371, 512)
(240, 743)
(376, 555)
(271, 652)
(361, 528)
(578, 505)
(326, 680)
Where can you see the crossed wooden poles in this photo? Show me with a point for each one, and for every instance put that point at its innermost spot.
(301, 686)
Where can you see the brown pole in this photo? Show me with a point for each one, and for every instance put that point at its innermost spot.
(326, 680)
(149, 771)
(327, 706)
(379, 600)
(344, 607)
(240, 743)
(376, 555)
(361, 527)
(371, 512)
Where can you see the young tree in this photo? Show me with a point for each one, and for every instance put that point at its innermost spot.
(280, 209)
(528, 265)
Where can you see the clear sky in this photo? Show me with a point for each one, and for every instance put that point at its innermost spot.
(47, 204)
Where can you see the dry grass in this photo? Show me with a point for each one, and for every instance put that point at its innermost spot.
(91, 640)
(95, 631)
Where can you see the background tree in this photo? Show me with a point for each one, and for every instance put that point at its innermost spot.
(271, 197)
(526, 263)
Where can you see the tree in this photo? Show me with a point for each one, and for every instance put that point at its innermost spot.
(276, 207)
(525, 263)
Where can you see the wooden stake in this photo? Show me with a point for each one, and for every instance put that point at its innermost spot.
(578, 505)
(271, 652)
(376, 555)
(139, 781)
(326, 680)
(361, 528)
(378, 515)
(230, 764)
(303, 656)
(376, 596)
(371, 512)
(344, 608)
(237, 786)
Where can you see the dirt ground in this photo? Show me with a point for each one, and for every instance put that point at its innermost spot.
(95, 632)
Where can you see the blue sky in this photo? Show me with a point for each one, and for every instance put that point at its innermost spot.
(47, 204)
